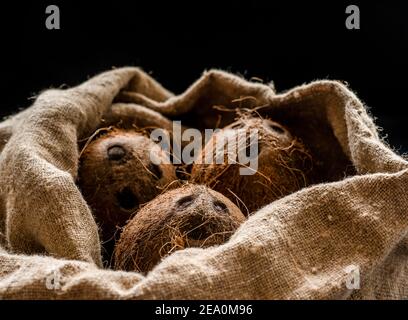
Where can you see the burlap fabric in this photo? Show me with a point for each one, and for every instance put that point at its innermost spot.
(300, 246)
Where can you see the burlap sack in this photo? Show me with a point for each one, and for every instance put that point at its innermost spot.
(301, 246)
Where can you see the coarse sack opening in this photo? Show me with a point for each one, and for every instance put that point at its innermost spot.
(301, 246)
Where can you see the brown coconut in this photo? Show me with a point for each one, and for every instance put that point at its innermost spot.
(284, 164)
(116, 176)
(190, 216)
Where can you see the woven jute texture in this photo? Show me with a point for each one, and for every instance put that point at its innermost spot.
(302, 246)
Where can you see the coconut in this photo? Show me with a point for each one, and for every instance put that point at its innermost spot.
(283, 163)
(190, 216)
(117, 175)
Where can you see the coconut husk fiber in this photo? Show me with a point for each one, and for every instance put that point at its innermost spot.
(298, 247)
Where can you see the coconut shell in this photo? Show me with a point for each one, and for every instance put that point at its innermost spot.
(190, 216)
(284, 164)
(116, 176)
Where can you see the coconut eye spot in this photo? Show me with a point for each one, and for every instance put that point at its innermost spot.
(220, 206)
(155, 170)
(116, 153)
(276, 128)
(237, 125)
(127, 199)
(199, 233)
(184, 202)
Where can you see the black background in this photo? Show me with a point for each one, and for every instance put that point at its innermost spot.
(145, 309)
(289, 42)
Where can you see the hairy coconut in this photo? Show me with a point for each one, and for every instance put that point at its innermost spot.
(283, 163)
(116, 176)
(190, 216)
